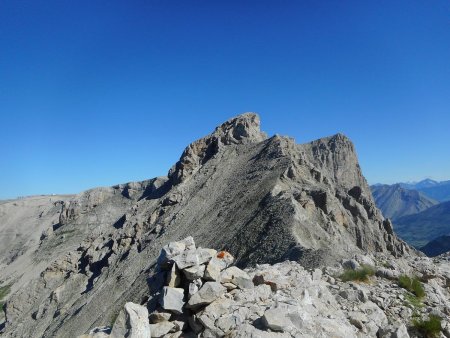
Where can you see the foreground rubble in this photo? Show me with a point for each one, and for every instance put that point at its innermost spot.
(197, 292)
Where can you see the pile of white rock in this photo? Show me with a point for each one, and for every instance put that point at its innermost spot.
(197, 292)
(188, 280)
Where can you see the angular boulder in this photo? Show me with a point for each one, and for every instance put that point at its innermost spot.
(237, 277)
(209, 292)
(132, 322)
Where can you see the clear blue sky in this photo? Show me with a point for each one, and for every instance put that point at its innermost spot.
(95, 93)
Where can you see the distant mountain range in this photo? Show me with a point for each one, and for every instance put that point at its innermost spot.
(436, 190)
(420, 212)
(421, 228)
(395, 201)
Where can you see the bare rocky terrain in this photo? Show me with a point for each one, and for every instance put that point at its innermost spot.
(198, 292)
(265, 200)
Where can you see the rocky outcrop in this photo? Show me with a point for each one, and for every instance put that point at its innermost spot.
(263, 200)
(286, 300)
(243, 129)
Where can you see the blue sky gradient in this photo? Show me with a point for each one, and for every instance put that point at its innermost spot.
(95, 93)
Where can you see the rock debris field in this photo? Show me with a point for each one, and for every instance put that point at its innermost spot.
(197, 292)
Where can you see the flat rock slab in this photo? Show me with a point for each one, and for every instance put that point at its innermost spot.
(209, 292)
(194, 272)
(212, 271)
(186, 259)
(277, 320)
(173, 277)
(237, 277)
(172, 299)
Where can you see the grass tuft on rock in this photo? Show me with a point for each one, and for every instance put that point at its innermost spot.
(429, 328)
(362, 274)
(4, 290)
(413, 301)
(412, 284)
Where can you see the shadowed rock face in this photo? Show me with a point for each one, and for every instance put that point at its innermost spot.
(263, 199)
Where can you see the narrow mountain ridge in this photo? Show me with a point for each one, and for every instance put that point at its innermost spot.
(262, 199)
(437, 190)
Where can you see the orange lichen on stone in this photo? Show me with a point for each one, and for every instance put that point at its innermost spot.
(222, 254)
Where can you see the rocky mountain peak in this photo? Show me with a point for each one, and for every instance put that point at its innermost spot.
(335, 157)
(242, 129)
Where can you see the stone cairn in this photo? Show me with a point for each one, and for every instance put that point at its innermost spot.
(187, 279)
(197, 292)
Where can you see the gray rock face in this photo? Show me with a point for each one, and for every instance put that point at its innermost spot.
(98, 332)
(262, 199)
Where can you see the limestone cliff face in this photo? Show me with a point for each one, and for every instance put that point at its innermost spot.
(263, 199)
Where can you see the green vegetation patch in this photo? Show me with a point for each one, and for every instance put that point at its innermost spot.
(429, 328)
(413, 301)
(362, 274)
(412, 284)
(4, 290)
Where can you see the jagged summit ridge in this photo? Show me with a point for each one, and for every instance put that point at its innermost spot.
(265, 200)
(242, 129)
